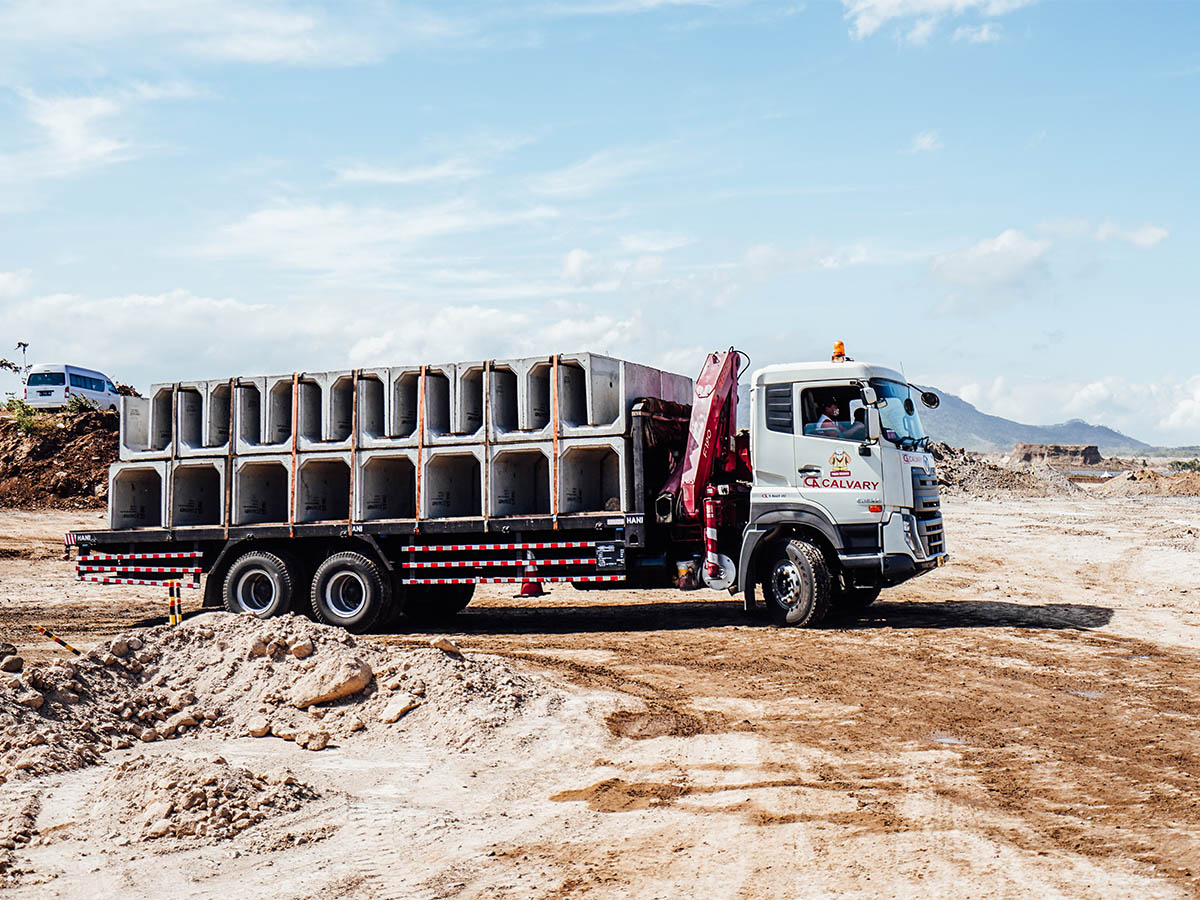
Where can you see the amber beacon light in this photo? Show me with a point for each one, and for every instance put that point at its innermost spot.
(839, 351)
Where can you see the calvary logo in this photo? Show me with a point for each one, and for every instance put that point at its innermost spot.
(839, 465)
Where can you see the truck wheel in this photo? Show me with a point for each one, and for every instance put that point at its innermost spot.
(427, 603)
(347, 590)
(260, 583)
(797, 585)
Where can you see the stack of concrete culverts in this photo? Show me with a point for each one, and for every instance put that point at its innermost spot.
(505, 437)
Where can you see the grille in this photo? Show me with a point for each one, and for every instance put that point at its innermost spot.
(927, 506)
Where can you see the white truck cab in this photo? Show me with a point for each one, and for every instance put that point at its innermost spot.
(841, 460)
(52, 386)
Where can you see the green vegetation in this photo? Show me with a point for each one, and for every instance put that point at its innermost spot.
(1185, 465)
(80, 404)
(28, 419)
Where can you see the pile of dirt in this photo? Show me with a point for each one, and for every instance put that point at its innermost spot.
(61, 462)
(204, 801)
(961, 472)
(237, 676)
(1146, 482)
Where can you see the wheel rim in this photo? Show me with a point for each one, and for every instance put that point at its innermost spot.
(255, 591)
(785, 584)
(346, 594)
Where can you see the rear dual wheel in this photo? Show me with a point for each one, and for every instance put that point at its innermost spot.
(260, 583)
(349, 590)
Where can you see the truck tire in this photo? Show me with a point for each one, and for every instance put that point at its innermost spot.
(797, 585)
(429, 603)
(348, 590)
(259, 583)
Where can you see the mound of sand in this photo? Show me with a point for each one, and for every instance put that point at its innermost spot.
(235, 676)
(960, 472)
(1144, 482)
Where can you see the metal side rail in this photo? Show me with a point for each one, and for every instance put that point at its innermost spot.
(115, 568)
(494, 563)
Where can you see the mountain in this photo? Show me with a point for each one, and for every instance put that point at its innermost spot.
(960, 424)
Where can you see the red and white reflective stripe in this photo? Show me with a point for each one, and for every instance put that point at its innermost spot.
(458, 548)
(711, 564)
(165, 570)
(518, 580)
(99, 579)
(121, 557)
(69, 540)
(483, 563)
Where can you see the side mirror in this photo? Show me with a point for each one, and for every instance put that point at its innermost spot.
(873, 429)
(930, 399)
(869, 396)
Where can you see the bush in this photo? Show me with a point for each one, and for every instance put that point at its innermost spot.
(1185, 465)
(28, 419)
(80, 404)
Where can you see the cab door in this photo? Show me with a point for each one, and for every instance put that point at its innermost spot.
(843, 474)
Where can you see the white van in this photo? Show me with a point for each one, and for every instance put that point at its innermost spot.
(53, 386)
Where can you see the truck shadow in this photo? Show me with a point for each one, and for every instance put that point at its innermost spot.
(686, 616)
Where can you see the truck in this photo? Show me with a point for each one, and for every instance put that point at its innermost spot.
(828, 496)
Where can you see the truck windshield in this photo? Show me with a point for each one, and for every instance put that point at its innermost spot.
(900, 426)
(47, 378)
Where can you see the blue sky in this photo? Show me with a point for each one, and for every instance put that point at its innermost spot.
(1000, 195)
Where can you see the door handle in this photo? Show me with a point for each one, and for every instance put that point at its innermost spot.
(809, 470)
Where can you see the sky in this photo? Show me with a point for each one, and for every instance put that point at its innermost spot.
(1001, 196)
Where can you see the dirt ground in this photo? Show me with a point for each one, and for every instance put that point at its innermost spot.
(1021, 723)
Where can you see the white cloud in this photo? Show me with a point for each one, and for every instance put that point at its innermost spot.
(595, 173)
(1009, 258)
(1145, 236)
(344, 239)
(73, 132)
(1164, 412)
(921, 31)
(14, 284)
(925, 142)
(454, 169)
(977, 34)
(868, 16)
(653, 242)
(255, 31)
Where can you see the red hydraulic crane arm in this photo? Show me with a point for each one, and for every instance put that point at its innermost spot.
(713, 424)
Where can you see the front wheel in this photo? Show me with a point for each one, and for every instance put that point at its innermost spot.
(259, 583)
(348, 590)
(797, 585)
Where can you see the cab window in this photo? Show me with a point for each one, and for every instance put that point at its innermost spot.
(837, 413)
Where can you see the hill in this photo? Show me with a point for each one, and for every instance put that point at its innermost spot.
(960, 424)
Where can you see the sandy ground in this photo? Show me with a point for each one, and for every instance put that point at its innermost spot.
(1022, 723)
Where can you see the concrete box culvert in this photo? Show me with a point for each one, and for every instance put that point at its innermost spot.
(263, 414)
(197, 495)
(519, 481)
(261, 485)
(470, 400)
(323, 488)
(137, 494)
(146, 430)
(405, 395)
(202, 418)
(452, 483)
(441, 394)
(386, 485)
(325, 410)
(597, 393)
(374, 401)
(593, 475)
